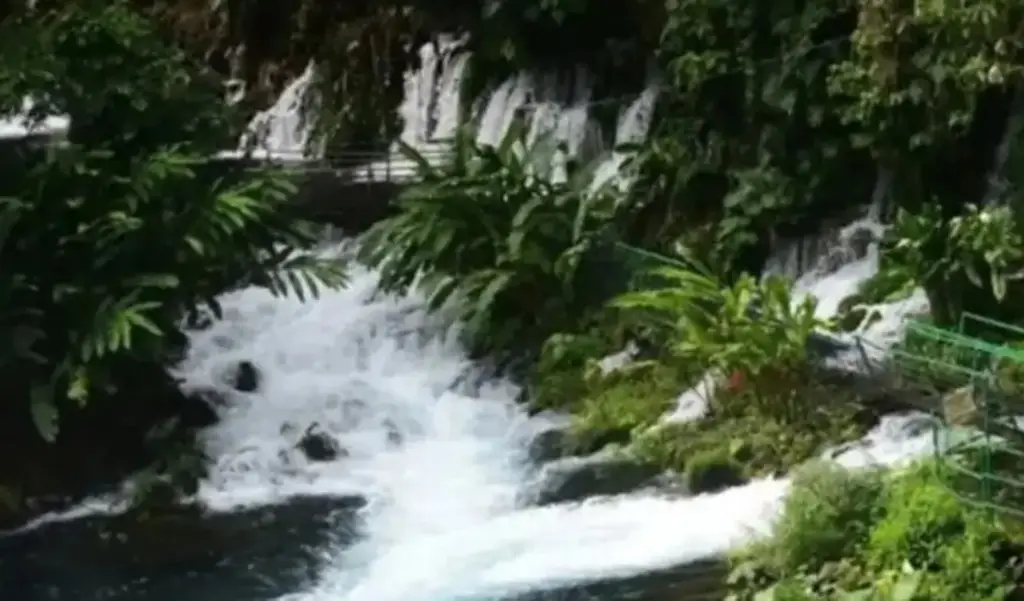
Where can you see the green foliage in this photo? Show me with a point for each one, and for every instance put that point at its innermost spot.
(752, 328)
(492, 228)
(99, 94)
(712, 470)
(751, 143)
(783, 116)
(618, 405)
(966, 263)
(108, 240)
(862, 536)
(916, 72)
(827, 516)
(921, 518)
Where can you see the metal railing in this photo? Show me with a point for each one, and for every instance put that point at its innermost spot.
(370, 166)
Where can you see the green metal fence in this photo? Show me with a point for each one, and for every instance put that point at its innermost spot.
(974, 385)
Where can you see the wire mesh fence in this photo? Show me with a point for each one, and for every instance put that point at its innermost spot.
(975, 383)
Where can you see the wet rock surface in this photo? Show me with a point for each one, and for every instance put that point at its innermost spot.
(246, 377)
(318, 445)
(575, 479)
(703, 580)
(182, 554)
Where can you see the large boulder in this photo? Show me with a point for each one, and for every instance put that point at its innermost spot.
(575, 478)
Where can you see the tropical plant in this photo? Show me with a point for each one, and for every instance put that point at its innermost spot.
(493, 228)
(107, 240)
(754, 329)
(965, 263)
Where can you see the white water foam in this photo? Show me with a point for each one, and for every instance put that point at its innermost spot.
(21, 126)
(444, 519)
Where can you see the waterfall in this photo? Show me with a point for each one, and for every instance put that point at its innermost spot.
(553, 106)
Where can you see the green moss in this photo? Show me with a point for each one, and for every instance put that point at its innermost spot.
(761, 444)
(624, 402)
(713, 470)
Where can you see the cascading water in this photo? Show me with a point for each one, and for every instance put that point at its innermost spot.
(441, 453)
(444, 466)
(443, 463)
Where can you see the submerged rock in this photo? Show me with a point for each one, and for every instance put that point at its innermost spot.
(199, 409)
(246, 377)
(576, 479)
(318, 445)
(198, 320)
(549, 445)
(394, 436)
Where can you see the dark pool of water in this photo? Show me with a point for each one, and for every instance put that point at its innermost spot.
(176, 556)
(254, 555)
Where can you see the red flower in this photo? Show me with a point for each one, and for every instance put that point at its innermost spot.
(736, 381)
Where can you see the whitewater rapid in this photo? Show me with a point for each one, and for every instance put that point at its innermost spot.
(448, 514)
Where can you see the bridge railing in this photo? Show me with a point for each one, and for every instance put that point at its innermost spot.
(380, 166)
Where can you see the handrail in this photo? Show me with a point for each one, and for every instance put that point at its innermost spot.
(357, 165)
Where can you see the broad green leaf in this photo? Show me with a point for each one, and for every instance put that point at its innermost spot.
(998, 286)
(45, 415)
(78, 387)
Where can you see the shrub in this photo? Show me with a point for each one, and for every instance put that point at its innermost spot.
(108, 240)
(713, 470)
(966, 263)
(751, 328)
(492, 228)
(827, 516)
(921, 517)
(927, 527)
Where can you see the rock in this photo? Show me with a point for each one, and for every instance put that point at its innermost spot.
(575, 479)
(198, 320)
(706, 579)
(145, 555)
(318, 445)
(959, 407)
(246, 378)
(550, 445)
(394, 437)
(199, 409)
(713, 471)
(858, 317)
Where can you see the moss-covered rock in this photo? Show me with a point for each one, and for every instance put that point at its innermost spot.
(625, 402)
(712, 471)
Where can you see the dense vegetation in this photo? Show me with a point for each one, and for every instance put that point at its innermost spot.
(776, 120)
(111, 237)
